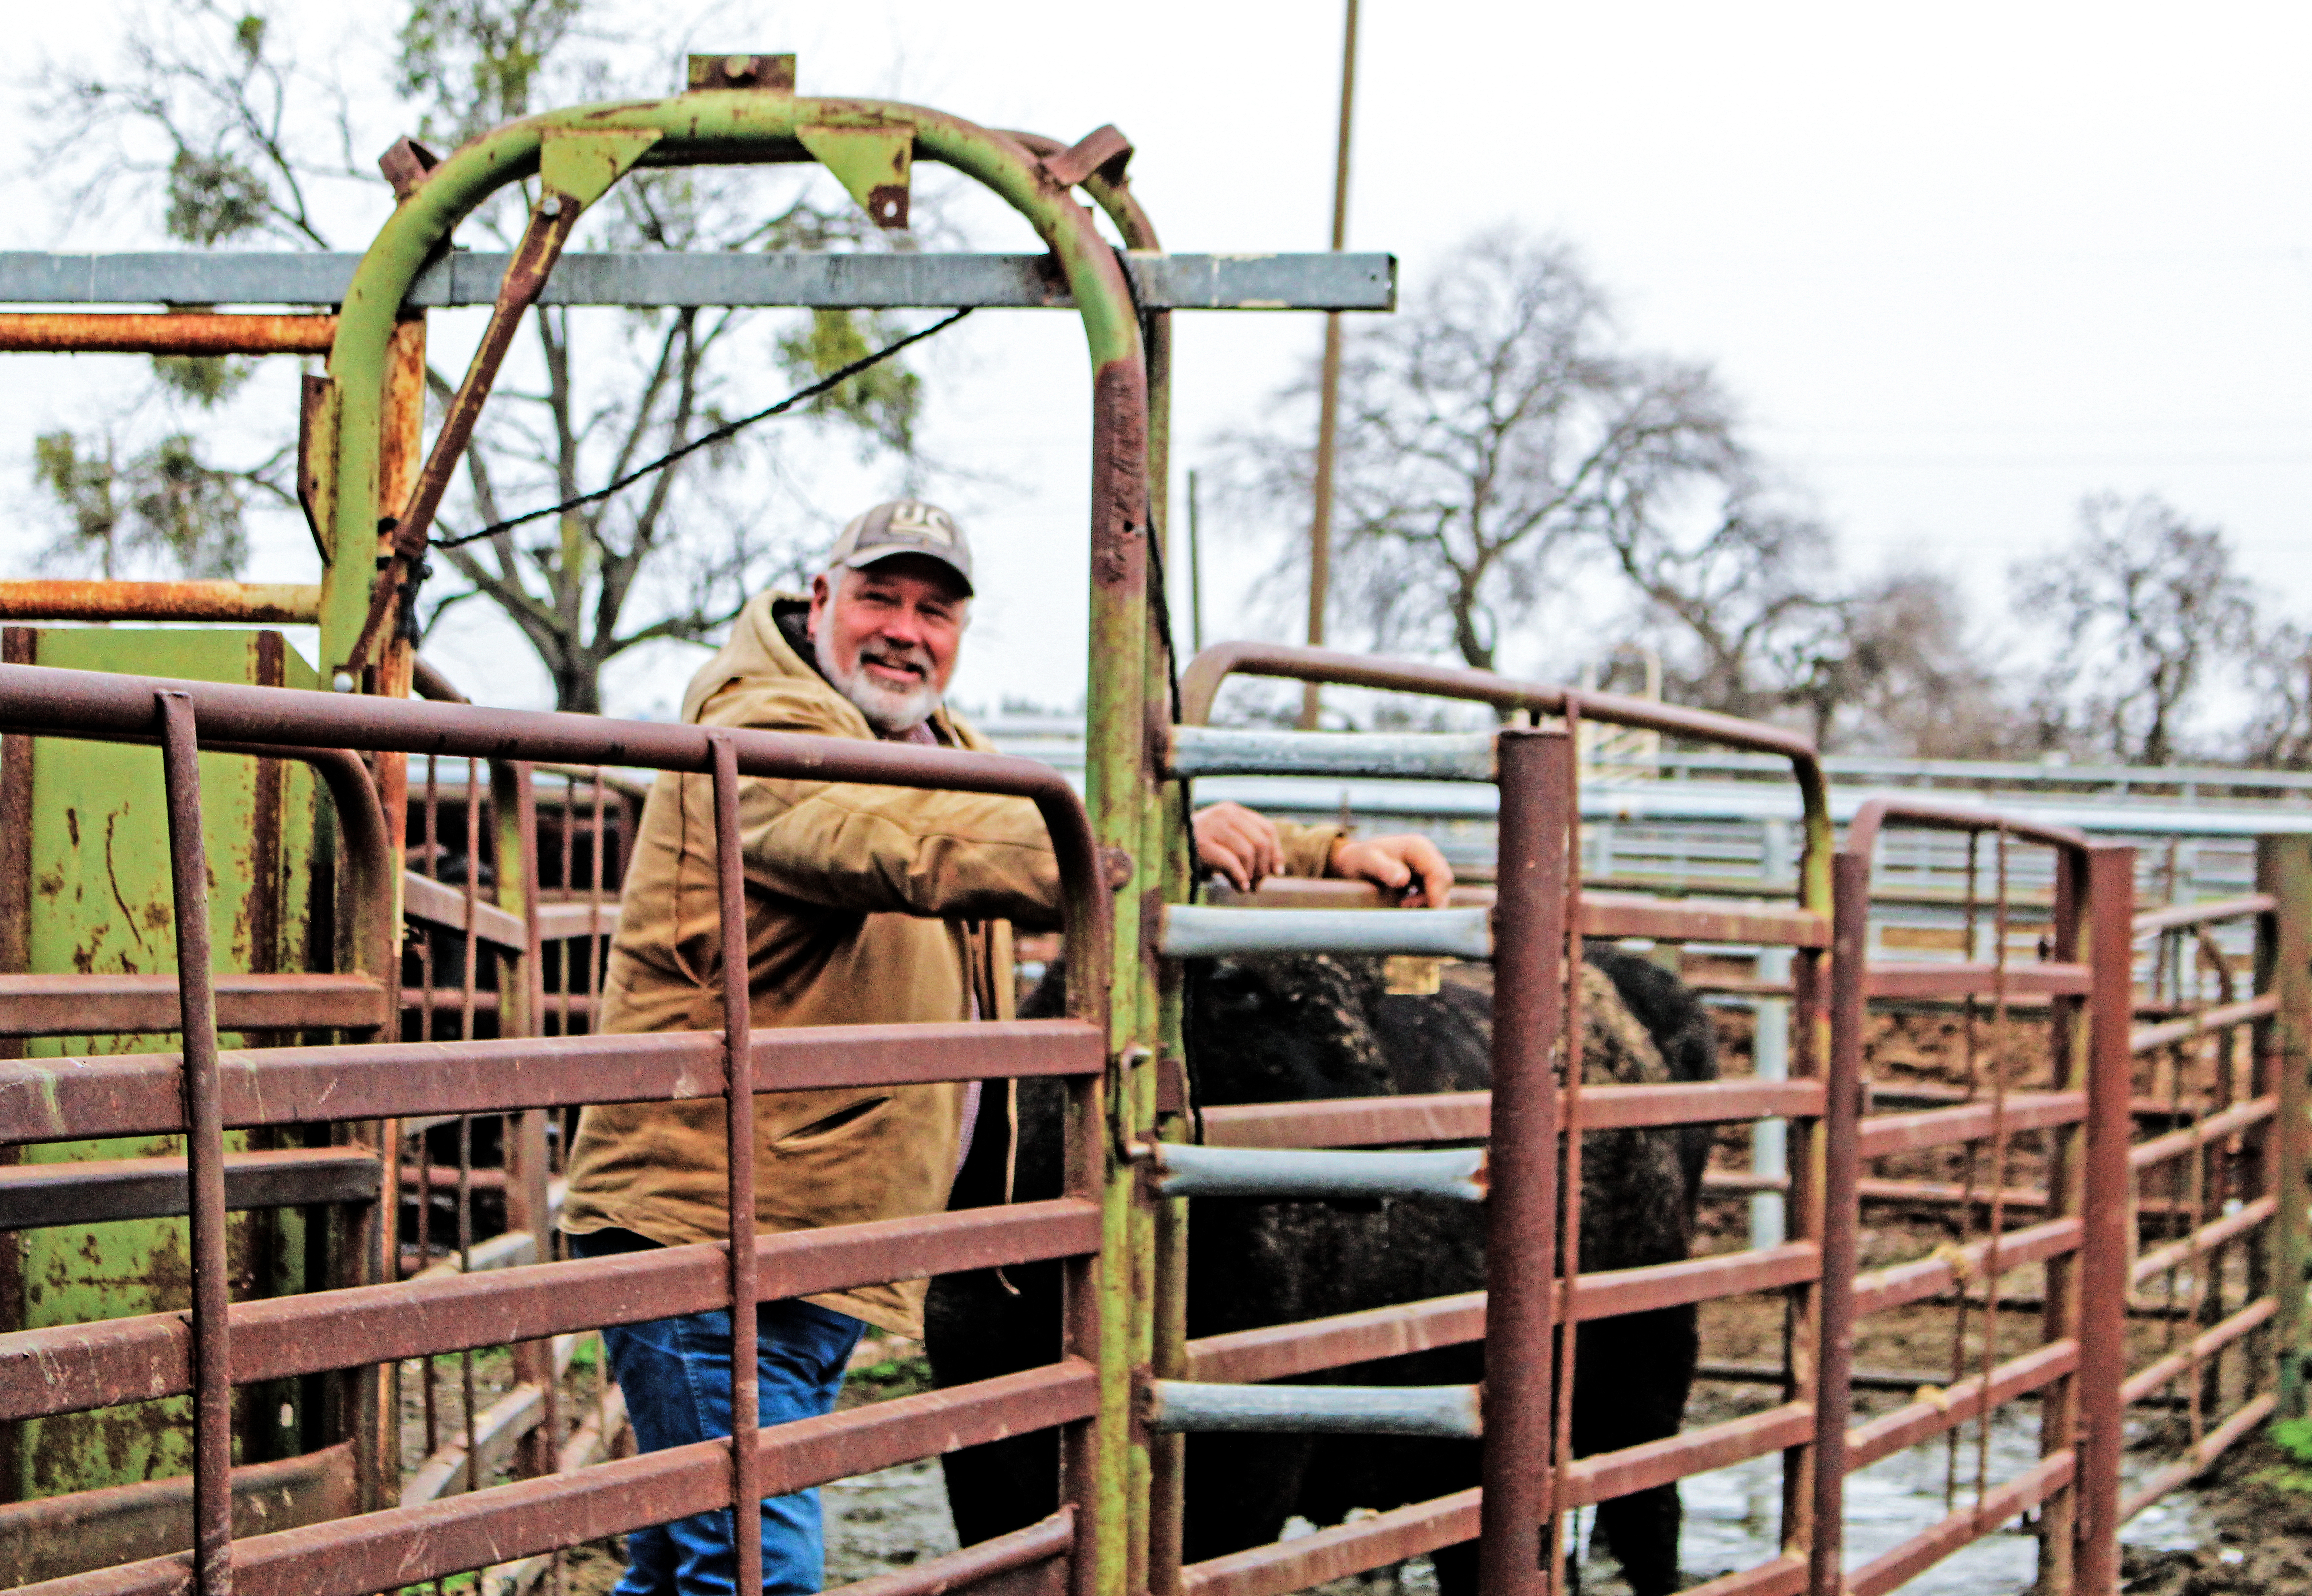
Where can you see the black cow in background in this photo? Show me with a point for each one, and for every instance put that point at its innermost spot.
(1303, 1027)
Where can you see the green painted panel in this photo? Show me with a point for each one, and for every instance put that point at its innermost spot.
(101, 904)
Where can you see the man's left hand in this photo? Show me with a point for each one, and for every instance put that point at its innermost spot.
(1408, 865)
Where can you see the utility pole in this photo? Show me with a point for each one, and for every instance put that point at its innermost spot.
(1321, 523)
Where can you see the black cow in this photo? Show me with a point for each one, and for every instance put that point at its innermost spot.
(1279, 1029)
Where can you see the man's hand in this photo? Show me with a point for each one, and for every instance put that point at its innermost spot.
(1238, 843)
(1407, 864)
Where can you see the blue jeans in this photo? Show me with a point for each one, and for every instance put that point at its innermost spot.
(676, 1377)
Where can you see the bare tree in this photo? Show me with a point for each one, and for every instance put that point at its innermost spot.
(2278, 734)
(211, 115)
(2145, 608)
(1889, 668)
(1491, 433)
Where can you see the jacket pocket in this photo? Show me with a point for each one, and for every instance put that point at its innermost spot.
(823, 1129)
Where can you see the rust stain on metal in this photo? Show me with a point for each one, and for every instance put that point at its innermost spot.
(201, 333)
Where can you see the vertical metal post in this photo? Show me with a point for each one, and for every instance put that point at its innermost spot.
(2104, 1218)
(2283, 868)
(1515, 1554)
(514, 852)
(1329, 403)
(1770, 1060)
(2068, 1059)
(204, 1155)
(1833, 1363)
(739, 1132)
(1195, 573)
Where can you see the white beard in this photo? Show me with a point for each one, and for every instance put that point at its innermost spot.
(891, 713)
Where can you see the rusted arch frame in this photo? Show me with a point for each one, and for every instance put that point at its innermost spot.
(709, 127)
(2078, 1480)
(732, 126)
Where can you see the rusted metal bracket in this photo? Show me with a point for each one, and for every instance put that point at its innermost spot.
(1103, 151)
(872, 163)
(764, 74)
(317, 457)
(407, 165)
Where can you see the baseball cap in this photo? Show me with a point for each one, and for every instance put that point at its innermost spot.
(903, 526)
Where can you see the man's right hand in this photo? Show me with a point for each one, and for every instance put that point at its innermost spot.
(1237, 842)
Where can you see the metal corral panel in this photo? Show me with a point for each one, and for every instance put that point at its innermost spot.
(93, 847)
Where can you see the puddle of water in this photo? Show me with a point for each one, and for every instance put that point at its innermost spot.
(1731, 1515)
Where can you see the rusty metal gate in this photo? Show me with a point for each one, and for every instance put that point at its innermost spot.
(332, 1106)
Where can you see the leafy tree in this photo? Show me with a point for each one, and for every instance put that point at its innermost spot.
(213, 116)
(2145, 609)
(162, 509)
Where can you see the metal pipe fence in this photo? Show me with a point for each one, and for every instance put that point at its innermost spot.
(2124, 1200)
(375, 1322)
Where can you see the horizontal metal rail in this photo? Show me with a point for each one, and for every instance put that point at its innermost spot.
(2179, 915)
(404, 1546)
(1606, 1475)
(2207, 1022)
(1604, 914)
(96, 1191)
(1184, 1170)
(559, 922)
(140, 1095)
(1194, 1407)
(1892, 1569)
(1274, 1352)
(1467, 1116)
(1955, 980)
(114, 1004)
(2216, 1127)
(2250, 1417)
(2204, 1345)
(1954, 1405)
(1785, 1576)
(1882, 1135)
(1045, 1541)
(426, 899)
(284, 603)
(82, 331)
(2158, 1260)
(1423, 1527)
(70, 1368)
(1191, 932)
(51, 1537)
(1900, 1284)
(645, 279)
(1432, 757)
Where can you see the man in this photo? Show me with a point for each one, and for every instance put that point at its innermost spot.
(865, 904)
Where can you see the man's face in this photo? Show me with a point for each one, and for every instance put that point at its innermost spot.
(887, 636)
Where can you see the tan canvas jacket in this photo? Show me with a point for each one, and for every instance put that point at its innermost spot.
(865, 906)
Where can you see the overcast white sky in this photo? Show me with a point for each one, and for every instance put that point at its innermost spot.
(1961, 264)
